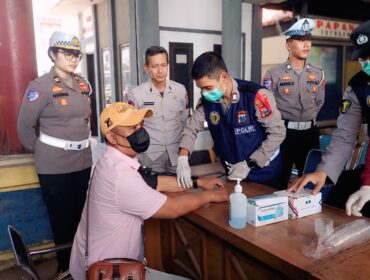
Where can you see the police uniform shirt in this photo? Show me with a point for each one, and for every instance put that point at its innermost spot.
(272, 124)
(63, 112)
(343, 138)
(299, 96)
(170, 114)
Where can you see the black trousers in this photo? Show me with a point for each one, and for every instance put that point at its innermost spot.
(64, 195)
(348, 183)
(294, 150)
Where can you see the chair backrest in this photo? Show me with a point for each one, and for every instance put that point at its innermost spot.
(21, 252)
(324, 141)
(312, 160)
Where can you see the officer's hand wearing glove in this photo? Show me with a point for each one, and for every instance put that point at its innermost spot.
(239, 170)
(357, 200)
(183, 172)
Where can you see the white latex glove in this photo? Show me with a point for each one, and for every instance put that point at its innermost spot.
(357, 200)
(238, 170)
(183, 172)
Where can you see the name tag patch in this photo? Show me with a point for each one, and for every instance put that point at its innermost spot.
(148, 103)
(243, 130)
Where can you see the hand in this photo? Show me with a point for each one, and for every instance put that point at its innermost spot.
(208, 183)
(218, 195)
(316, 178)
(357, 200)
(239, 170)
(183, 172)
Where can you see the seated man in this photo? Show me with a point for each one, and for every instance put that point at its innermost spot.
(119, 199)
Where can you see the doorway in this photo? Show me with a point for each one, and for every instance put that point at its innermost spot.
(181, 61)
(91, 78)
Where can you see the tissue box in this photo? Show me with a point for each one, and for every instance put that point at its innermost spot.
(267, 209)
(302, 204)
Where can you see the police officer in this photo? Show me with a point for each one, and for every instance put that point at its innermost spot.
(299, 90)
(169, 102)
(355, 108)
(59, 101)
(245, 125)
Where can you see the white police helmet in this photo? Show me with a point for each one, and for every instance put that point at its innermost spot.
(64, 40)
(302, 27)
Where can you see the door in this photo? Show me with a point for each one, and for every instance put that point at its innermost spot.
(330, 58)
(181, 61)
(91, 79)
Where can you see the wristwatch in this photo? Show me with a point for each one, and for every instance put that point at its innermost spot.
(251, 163)
(195, 181)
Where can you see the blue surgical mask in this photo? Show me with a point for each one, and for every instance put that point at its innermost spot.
(365, 65)
(213, 95)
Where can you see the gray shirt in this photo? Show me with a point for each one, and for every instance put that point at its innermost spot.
(274, 126)
(63, 112)
(169, 119)
(299, 94)
(343, 138)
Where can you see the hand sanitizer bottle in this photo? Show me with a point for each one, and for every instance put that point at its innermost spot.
(237, 207)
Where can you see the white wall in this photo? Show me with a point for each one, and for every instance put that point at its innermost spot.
(273, 52)
(205, 15)
(195, 14)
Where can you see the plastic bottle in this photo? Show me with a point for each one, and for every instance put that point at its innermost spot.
(237, 207)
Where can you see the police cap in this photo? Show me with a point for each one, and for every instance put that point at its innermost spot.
(360, 38)
(65, 41)
(302, 27)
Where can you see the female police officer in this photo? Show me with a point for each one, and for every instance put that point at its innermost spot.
(59, 102)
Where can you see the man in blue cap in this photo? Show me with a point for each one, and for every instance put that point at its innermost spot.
(355, 108)
(299, 90)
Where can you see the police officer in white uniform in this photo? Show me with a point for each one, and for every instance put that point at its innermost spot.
(169, 102)
(59, 101)
(299, 90)
(355, 108)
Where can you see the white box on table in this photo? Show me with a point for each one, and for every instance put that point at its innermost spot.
(301, 204)
(267, 209)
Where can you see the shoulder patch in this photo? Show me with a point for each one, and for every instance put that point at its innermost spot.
(346, 104)
(131, 102)
(267, 83)
(263, 105)
(32, 95)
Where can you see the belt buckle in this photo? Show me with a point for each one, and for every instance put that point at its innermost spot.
(301, 126)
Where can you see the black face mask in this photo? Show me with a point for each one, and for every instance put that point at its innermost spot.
(139, 140)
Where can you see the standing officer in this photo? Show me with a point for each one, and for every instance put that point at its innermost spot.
(245, 125)
(299, 90)
(355, 108)
(169, 102)
(59, 100)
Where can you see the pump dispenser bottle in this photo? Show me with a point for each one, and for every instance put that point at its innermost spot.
(237, 207)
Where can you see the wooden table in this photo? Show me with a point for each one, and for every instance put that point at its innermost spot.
(201, 245)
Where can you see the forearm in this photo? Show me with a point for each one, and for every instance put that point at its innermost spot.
(168, 184)
(179, 205)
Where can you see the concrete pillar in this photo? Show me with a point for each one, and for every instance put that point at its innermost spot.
(147, 31)
(17, 68)
(256, 44)
(231, 36)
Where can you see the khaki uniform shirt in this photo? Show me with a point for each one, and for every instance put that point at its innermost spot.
(343, 138)
(169, 119)
(274, 126)
(63, 112)
(299, 96)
